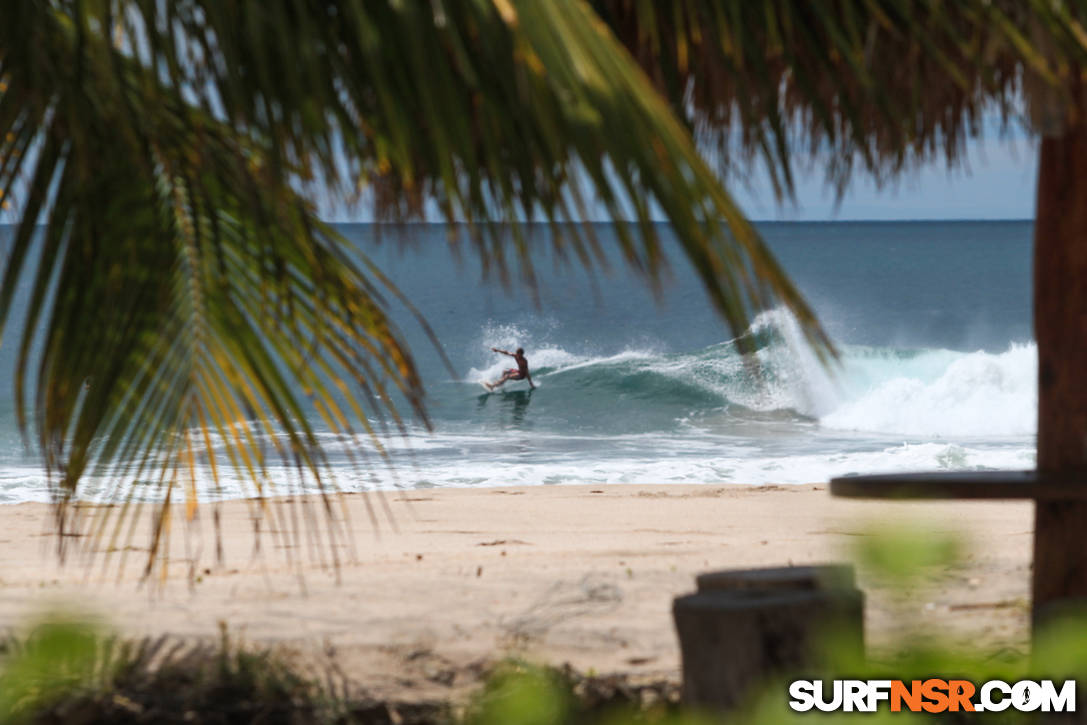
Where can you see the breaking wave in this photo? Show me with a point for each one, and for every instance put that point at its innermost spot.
(928, 393)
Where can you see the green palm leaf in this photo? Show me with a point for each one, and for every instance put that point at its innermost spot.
(187, 305)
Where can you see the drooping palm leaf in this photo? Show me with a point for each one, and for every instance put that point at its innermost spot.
(190, 303)
(186, 294)
(488, 110)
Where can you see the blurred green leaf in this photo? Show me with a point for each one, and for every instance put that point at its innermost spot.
(57, 658)
(1060, 645)
(907, 553)
(521, 694)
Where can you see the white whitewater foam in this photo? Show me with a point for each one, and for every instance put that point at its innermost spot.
(540, 354)
(925, 393)
(455, 460)
(942, 393)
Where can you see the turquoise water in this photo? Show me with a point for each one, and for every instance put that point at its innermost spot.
(932, 319)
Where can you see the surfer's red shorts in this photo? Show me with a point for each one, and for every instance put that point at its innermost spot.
(515, 374)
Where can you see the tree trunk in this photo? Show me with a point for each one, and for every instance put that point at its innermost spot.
(1060, 326)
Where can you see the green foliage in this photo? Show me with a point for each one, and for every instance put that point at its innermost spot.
(903, 554)
(57, 659)
(1060, 646)
(65, 668)
(524, 695)
(518, 693)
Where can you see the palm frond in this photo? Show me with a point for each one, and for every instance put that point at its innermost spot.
(187, 303)
(877, 85)
(488, 111)
(186, 295)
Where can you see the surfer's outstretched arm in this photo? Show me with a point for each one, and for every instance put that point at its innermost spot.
(504, 352)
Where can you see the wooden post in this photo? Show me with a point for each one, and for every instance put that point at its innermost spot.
(745, 626)
(1060, 324)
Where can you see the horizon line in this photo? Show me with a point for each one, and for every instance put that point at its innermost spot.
(874, 220)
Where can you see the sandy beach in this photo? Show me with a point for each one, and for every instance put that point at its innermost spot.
(450, 580)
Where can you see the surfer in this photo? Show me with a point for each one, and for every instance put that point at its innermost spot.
(518, 373)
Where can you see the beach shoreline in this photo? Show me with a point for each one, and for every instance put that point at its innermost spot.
(450, 580)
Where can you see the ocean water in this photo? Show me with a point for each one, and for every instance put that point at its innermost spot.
(932, 320)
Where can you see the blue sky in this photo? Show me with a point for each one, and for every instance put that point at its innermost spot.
(996, 182)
